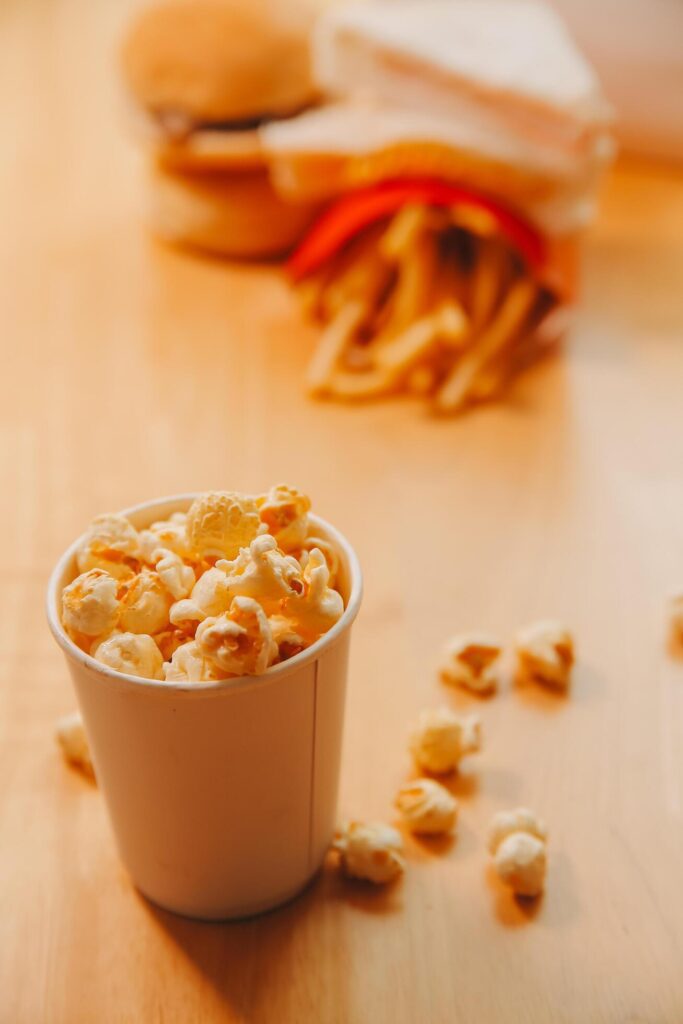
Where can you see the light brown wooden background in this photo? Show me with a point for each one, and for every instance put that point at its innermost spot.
(130, 370)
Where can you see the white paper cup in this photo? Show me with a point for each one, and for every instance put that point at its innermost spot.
(222, 795)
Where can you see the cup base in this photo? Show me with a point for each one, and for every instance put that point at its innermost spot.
(238, 913)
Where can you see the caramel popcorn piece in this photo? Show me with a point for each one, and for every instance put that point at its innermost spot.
(373, 852)
(186, 615)
(288, 641)
(284, 510)
(328, 550)
(471, 661)
(545, 654)
(443, 738)
(517, 843)
(219, 523)
(426, 807)
(178, 578)
(263, 572)
(134, 654)
(211, 592)
(145, 604)
(90, 605)
(317, 609)
(239, 642)
(111, 543)
(73, 741)
(169, 534)
(188, 665)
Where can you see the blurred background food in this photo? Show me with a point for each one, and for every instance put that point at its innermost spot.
(272, 126)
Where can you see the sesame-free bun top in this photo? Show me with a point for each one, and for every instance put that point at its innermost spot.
(220, 60)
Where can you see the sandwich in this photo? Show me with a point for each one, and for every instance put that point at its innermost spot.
(203, 77)
(458, 155)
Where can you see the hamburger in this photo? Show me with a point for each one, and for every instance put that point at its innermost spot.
(203, 78)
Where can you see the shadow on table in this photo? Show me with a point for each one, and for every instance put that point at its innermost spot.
(248, 961)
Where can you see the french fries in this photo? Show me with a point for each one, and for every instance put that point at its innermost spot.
(433, 303)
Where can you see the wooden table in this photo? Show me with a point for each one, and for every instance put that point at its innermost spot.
(131, 370)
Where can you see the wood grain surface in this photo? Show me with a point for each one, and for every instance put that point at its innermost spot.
(131, 370)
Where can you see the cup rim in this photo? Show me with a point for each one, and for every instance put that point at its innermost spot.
(285, 668)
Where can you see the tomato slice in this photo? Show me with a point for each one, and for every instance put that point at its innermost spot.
(359, 209)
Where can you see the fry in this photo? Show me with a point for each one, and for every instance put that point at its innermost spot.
(332, 343)
(354, 386)
(487, 281)
(509, 320)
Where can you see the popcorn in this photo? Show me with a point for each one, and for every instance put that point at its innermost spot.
(545, 654)
(90, 604)
(285, 512)
(169, 641)
(261, 571)
(238, 642)
(135, 654)
(188, 665)
(470, 661)
(443, 738)
(318, 608)
(111, 543)
(328, 550)
(517, 842)
(169, 534)
(520, 820)
(219, 523)
(211, 592)
(427, 807)
(373, 852)
(288, 641)
(145, 604)
(178, 578)
(205, 595)
(73, 740)
(186, 614)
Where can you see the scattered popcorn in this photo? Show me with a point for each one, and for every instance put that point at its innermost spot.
(318, 608)
(285, 512)
(676, 613)
(238, 641)
(261, 571)
(145, 604)
(230, 588)
(135, 654)
(520, 820)
(219, 523)
(443, 738)
(427, 807)
(545, 654)
(470, 662)
(373, 852)
(169, 534)
(90, 604)
(71, 737)
(517, 842)
(178, 578)
(111, 543)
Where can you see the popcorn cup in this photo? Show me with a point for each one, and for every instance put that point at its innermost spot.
(222, 795)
